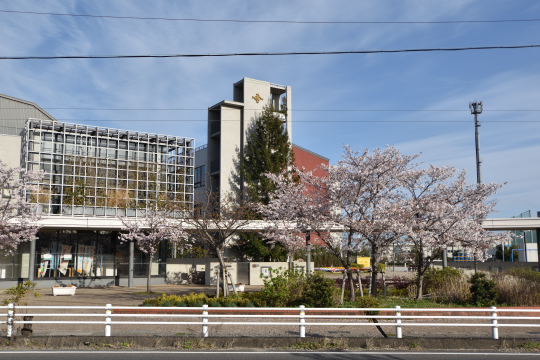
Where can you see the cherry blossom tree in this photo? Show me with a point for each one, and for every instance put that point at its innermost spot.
(216, 221)
(440, 210)
(149, 232)
(360, 194)
(18, 216)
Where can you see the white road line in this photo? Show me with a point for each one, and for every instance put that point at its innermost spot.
(274, 352)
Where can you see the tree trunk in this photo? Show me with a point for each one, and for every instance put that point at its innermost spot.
(360, 283)
(27, 328)
(149, 274)
(352, 296)
(374, 273)
(419, 284)
(233, 285)
(475, 265)
(420, 272)
(222, 272)
(342, 289)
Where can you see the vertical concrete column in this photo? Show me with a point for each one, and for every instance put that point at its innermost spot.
(131, 258)
(32, 260)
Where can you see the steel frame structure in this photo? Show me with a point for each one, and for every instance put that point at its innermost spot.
(103, 172)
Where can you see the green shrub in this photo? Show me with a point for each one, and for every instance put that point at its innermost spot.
(292, 288)
(483, 290)
(397, 292)
(448, 285)
(368, 302)
(282, 287)
(319, 291)
(436, 278)
(21, 293)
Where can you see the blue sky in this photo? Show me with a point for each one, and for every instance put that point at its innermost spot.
(502, 79)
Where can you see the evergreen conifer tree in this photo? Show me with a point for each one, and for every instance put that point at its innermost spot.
(267, 150)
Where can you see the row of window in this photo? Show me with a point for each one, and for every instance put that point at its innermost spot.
(58, 151)
(48, 137)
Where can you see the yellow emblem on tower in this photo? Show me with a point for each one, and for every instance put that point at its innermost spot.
(257, 98)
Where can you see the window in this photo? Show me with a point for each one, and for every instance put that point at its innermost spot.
(199, 176)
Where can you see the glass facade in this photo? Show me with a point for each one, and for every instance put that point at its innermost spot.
(200, 173)
(90, 254)
(94, 171)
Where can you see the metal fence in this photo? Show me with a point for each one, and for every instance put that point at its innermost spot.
(295, 317)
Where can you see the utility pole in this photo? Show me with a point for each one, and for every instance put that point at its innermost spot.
(476, 108)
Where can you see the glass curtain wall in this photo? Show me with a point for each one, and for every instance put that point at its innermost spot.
(88, 254)
(93, 171)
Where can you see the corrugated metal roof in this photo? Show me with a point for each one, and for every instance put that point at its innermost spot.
(15, 112)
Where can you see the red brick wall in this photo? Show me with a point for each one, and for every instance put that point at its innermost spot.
(308, 161)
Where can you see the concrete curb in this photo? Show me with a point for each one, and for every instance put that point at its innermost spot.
(226, 343)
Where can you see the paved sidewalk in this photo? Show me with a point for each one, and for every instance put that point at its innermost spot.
(117, 295)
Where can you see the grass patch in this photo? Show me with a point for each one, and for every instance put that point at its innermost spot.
(532, 346)
(306, 345)
(393, 301)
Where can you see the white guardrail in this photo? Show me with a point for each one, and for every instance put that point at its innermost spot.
(396, 320)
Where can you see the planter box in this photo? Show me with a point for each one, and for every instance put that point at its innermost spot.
(64, 291)
(239, 288)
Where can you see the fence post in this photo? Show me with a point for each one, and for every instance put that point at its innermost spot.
(399, 334)
(10, 315)
(302, 321)
(495, 328)
(205, 320)
(108, 312)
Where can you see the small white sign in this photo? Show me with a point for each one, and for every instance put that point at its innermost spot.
(265, 271)
(67, 257)
(47, 256)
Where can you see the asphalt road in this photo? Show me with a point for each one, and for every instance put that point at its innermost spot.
(259, 355)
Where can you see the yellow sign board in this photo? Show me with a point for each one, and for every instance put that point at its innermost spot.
(364, 262)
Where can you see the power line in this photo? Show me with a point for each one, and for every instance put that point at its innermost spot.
(292, 110)
(508, 47)
(269, 21)
(301, 121)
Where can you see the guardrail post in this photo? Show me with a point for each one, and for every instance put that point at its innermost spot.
(399, 334)
(205, 320)
(495, 328)
(10, 315)
(302, 321)
(108, 312)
